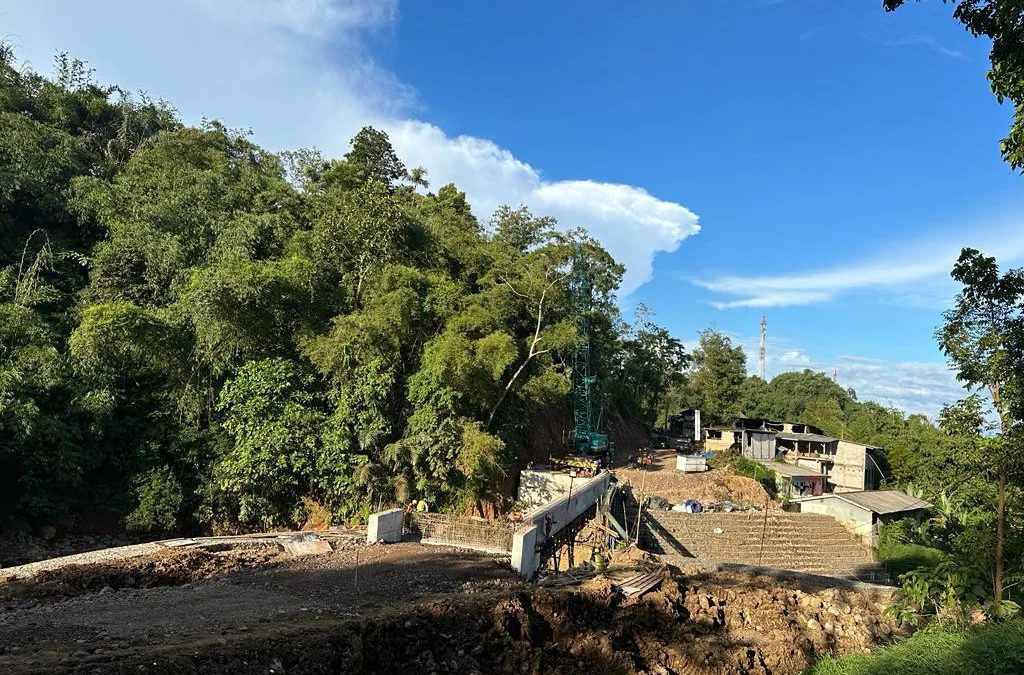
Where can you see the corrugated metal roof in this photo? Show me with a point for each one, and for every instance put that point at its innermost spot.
(790, 470)
(814, 438)
(863, 445)
(879, 501)
(884, 501)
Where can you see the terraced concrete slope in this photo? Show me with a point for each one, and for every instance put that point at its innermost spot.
(802, 542)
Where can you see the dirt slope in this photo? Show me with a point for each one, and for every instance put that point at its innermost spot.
(715, 485)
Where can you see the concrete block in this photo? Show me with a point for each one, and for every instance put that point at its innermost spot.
(306, 546)
(385, 526)
(537, 488)
(524, 551)
(691, 464)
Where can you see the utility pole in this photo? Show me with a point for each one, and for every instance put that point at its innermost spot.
(760, 352)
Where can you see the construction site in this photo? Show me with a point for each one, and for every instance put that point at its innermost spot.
(566, 586)
(627, 560)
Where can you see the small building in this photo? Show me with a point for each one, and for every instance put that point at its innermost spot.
(684, 427)
(856, 467)
(797, 481)
(849, 466)
(862, 512)
(719, 440)
(757, 444)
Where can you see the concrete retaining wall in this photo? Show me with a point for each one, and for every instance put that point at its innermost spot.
(385, 526)
(585, 493)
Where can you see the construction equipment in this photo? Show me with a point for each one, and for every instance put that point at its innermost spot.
(586, 438)
(583, 465)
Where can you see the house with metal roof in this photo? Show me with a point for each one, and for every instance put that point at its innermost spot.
(797, 481)
(862, 512)
(847, 466)
(850, 466)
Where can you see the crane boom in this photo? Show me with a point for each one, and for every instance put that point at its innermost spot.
(586, 437)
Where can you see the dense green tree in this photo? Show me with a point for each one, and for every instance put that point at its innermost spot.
(651, 364)
(715, 382)
(756, 398)
(373, 156)
(793, 391)
(983, 337)
(827, 415)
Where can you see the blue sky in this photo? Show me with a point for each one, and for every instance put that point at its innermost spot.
(816, 161)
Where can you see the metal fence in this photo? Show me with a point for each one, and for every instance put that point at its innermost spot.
(461, 531)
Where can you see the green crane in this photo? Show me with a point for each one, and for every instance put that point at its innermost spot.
(586, 437)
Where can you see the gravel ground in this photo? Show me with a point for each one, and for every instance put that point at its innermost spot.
(90, 557)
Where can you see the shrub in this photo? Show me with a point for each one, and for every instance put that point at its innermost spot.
(159, 502)
(759, 472)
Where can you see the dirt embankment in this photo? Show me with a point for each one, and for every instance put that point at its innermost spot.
(415, 609)
(171, 567)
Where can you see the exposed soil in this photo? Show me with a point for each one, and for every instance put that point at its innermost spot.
(714, 485)
(170, 567)
(407, 608)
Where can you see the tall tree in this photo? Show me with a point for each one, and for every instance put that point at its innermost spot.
(373, 155)
(983, 338)
(716, 379)
(651, 363)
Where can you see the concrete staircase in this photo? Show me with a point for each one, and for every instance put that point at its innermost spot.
(805, 542)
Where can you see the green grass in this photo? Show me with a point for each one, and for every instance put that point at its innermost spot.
(990, 650)
(900, 558)
(720, 460)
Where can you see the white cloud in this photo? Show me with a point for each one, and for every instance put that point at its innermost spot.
(631, 223)
(317, 18)
(816, 286)
(793, 357)
(929, 42)
(911, 386)
(299, 73)
(914, 387)
(919, 276)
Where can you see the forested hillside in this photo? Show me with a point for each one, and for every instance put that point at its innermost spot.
(198, 333)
